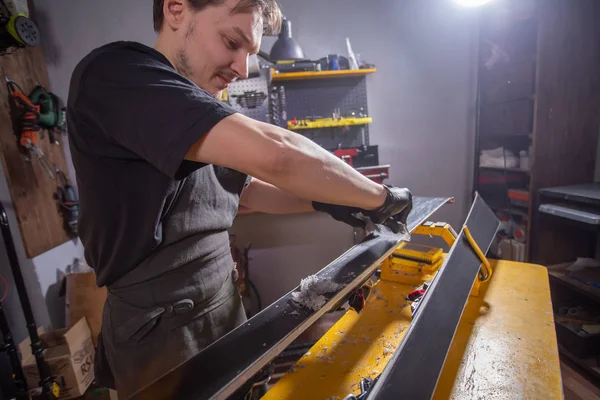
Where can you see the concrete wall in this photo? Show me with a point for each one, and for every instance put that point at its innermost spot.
(421, 99)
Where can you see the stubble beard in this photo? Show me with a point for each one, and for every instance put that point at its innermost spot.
(182, 63)
(181, 60)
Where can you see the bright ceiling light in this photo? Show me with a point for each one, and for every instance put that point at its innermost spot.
(471, 3)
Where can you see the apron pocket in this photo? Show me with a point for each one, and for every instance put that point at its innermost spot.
(132, 324)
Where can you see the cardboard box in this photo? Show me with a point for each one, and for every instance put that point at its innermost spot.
(70, 356)
(85, 299)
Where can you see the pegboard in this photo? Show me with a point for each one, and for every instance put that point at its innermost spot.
(318, 99)
(286, 100)
(253, 106)
(338, 138)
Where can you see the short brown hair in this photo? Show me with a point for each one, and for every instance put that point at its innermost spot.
(270, 10)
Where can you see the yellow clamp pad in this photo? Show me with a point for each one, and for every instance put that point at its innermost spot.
(442, 230)
(484, 261)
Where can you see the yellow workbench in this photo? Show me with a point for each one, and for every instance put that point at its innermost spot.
(504, 348)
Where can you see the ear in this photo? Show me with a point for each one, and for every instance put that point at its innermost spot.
(174, 13)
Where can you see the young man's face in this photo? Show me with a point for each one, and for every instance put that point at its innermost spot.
(216, 44)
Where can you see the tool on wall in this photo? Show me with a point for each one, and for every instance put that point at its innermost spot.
(250, 99)
(49, 388)
(282, 103)
(52, 112)
(68, 202)
(16, 31)
(274, 107)
(27, 118)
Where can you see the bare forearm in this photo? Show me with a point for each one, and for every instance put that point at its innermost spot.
(309, 171)
(264, 197)
(286, 160)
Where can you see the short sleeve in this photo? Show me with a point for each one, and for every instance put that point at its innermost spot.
(145, 106)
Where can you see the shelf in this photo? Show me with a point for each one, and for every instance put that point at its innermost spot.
(514, 211)
(502, 137)
(571, 213)
(327, 123)
(524, 171)
(588, 364)
(559, 273)
(349, 73)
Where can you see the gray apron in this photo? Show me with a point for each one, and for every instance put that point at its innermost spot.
(182, 296)
(152, 327)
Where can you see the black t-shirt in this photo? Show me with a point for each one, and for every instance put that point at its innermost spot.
(144, 210)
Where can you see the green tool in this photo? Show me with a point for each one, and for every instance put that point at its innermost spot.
(52, 115)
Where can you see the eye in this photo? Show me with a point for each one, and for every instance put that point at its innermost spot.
(231, 44)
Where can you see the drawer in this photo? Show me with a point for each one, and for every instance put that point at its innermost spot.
(506, 119)
(512, 81)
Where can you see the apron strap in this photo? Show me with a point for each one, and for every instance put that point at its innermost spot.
(140, 325)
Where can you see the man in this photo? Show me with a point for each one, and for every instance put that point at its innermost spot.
(161, 164)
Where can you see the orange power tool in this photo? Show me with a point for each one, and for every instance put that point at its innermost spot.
(29, 126)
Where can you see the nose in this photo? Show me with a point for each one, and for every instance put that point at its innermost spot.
(240, 65)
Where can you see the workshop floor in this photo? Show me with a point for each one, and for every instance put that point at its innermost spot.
(577, 386)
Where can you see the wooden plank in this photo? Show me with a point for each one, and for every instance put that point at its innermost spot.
(31, 190)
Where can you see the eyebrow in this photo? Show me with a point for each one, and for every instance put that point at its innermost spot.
(245, 37)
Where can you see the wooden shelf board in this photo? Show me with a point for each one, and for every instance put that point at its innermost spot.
(286, 76)
(502, 137)
(558, 271)
(514, 211)
(525, 171)
(589, 364)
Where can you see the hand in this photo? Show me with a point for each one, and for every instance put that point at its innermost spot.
(341, 213)
(394, 210)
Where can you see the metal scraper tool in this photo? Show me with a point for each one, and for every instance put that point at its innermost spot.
(383, 229)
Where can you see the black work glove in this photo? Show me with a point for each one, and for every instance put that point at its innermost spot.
(393, 212)
(341, 213)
